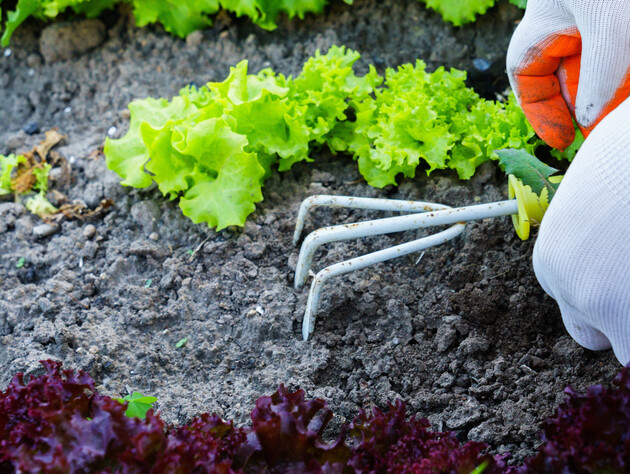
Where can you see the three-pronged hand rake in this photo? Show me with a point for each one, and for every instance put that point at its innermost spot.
(524, 206)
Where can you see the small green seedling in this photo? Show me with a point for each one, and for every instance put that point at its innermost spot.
(138, 404)
(181, 343)
(190, 252)
(148, 283)
(20, 262)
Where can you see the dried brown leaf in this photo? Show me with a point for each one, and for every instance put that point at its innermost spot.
(52, 138)
(79, 210)
(96, 154)
(24, 180)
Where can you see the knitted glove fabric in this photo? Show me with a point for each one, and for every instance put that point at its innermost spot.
(582, 255)
(570, 57)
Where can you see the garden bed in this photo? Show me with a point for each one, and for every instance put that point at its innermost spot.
(465, 336)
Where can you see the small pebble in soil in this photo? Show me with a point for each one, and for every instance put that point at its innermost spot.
(44, 230)
(481, 64)
(194, 39)
(31, 128)
(111, 131)
(33, 60)
(67, 110)
(154, 236)
(89, 231)
(7, 52)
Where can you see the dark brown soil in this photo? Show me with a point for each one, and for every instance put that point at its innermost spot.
(465, 336)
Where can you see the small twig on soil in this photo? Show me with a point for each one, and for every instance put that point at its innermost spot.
(83, 305)
(199, 247)
(499, 275)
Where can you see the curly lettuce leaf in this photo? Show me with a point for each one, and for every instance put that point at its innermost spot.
(519, 3)
(261, 111)
(15, 18)
(570, 152)
(179, 17)
(270, 10)
(52, 8)
(459, 12)
(128, 155)
(39, 205)
(167, 166)
(41, 177)
(325, 87)
(93, 8)
(227, 179)
(241, 87)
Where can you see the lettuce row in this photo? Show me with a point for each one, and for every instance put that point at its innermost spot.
(460, 12)
(432, 118)
(179, 17)
(182, 17)
(213, 147)
(58, 422)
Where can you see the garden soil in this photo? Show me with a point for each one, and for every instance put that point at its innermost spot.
(464, 335)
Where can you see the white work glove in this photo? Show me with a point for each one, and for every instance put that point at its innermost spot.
(582, 255)
(570, 57)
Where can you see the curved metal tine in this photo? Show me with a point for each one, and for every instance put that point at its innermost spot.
(350, 202)
(394, 224)
(308, 323)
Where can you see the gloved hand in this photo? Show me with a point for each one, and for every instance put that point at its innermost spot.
(570, 57)
(582, 254)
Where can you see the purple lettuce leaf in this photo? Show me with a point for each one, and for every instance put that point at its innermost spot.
(589, 433)
(286, 436)
(206, 444)
(388, 442)
(54, 424)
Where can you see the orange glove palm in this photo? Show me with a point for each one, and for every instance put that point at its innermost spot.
(570, 58)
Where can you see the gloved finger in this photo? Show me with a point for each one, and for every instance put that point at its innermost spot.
(584, 334)
(604, 78)
(621, 348)
(539, 263)
(538, 88)
(569, 76)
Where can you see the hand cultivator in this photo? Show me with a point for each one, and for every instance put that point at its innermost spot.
(524, 206)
